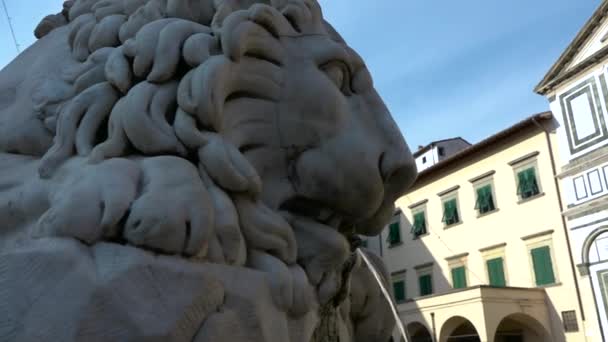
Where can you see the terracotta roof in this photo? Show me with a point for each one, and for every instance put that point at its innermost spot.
(480, 146)
(557, 73)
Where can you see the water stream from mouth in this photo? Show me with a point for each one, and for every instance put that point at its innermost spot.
(386, 294)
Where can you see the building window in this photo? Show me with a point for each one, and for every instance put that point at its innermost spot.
(450, 212)
(570, 321)
(485, 199)
(459, 277)
(394, 234)
(399, 290)
(423, 160)
(496, 272)
(457, 265)
(419, 225)
(541, 258)
(527, 183)
(426, 284)
(441, 151)
(543, 266)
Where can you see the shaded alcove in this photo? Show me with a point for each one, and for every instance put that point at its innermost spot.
(458, 329)
(521, 328)
(418, 332)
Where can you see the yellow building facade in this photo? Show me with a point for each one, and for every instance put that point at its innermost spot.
(478, 250)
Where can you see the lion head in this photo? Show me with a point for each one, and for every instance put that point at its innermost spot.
(273, 80)
(263, 97)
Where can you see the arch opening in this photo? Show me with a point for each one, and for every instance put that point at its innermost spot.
(520, 328)
(418, 332)
(591, 253)
(459, 329)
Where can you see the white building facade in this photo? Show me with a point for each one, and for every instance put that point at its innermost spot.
(433, 153)
(577, 89)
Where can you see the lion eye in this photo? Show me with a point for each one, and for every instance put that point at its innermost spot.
(339, 74)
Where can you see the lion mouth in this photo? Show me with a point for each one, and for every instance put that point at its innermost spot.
(314, 210)
(322, 237)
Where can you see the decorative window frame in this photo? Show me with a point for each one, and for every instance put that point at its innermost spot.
(422, 270)
(538, 240)
(481, 181)
(456, 261)
(448, 195)
(400, 275)
(524, 163)
(590, 88)
(415, 209)
(493, 252)
(396, 219)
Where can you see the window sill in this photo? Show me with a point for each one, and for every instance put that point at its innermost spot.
(549, 286)
(453, 225)
(396, 244)
(420, 236)
(488, 213)
(522, 201)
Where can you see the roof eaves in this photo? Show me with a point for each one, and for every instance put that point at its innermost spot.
(484, 143)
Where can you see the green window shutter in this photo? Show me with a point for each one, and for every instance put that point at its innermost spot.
(426, 285)
(527, 183)
(394, 234)
(419, 226)
(496, 272)
(450, 212)
(543, 267)
(459, 279)
(485, 199)
(399, 290)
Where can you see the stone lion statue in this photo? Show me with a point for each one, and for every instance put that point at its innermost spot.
(193, 170)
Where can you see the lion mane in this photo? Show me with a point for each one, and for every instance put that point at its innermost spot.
(153, 77)
(155, 74)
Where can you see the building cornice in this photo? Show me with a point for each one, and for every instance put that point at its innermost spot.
(417, 204)
(536, 235)
(524, 158)
(591, 207)
(496, 246)
(489, 143)
(584, 162)
(447, 191)
(556, 74)
(482, 176)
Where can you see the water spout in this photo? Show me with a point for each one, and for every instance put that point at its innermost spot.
(386, 294)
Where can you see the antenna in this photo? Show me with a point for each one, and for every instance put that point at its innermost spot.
(10, 25)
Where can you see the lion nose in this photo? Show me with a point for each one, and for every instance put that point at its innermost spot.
(398, 170)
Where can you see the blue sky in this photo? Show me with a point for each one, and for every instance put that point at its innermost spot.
(444, 68)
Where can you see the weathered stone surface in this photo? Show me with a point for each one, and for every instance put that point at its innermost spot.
(192, 171)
